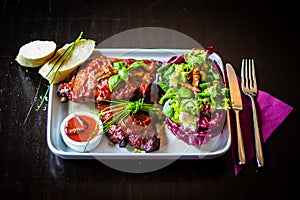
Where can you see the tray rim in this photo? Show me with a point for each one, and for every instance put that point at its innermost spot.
(150, 155)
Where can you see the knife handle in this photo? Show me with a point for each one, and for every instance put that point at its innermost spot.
(240, 143)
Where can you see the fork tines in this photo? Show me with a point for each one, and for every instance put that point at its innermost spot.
(248, 76)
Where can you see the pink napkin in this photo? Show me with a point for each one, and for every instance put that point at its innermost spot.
(271, 112)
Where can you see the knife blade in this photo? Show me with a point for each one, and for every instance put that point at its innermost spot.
(236, 98)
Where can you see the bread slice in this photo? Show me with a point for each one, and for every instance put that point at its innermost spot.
(81, 52)
(36, 53)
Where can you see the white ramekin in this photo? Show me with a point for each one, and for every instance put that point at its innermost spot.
(81, 146)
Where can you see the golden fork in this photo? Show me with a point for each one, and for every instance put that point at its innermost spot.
(249, 87)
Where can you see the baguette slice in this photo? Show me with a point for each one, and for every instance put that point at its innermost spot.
(81, 52)
(36, 53)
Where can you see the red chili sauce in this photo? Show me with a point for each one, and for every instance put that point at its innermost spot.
(80, 128)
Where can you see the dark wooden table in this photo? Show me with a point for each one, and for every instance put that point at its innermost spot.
(266, 31)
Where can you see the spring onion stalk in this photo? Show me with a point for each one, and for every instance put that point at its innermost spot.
(121, 109)
(63, 57)
(90, 137)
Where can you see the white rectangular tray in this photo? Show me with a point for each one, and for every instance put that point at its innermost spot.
(171, 147)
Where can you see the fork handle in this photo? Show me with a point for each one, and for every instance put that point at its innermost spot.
(240, 143)
(258, 146)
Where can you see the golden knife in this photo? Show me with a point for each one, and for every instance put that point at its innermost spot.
(235, 96)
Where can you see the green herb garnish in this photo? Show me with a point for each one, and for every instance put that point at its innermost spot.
(120, 109)
(92, 135)
(63, 57)
(123, 73)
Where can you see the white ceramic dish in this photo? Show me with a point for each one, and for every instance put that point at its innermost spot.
(170, 148)
(86, 145)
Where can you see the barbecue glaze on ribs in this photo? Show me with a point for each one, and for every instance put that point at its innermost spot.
(91, 84)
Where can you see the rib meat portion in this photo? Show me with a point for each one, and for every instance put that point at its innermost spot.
(83, 85)
(134, 132)
(91, 84)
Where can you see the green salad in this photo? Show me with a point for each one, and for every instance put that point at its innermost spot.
(194, 93)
